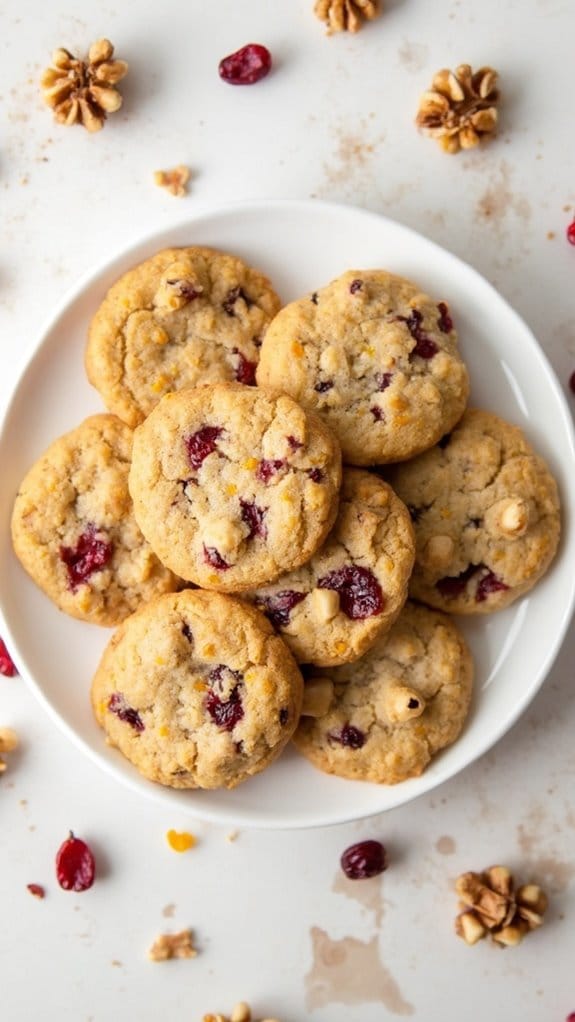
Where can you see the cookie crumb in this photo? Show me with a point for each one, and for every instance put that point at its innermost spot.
(172, 945)
(8, 742)
(232, 836)
(175, 181)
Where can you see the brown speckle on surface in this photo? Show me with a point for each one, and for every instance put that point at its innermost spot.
(352, 158)
(168, 910)
(413, 56)
(550, 235)
(445, 845)
(369, 893)
(500, 199)
(350, 971)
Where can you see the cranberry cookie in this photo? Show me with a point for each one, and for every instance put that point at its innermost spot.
(234, 485)
(197, 691)
(376, 358)
(334, 607)
(384, 717)
(186, 316)
(486, 515)
(74, 530)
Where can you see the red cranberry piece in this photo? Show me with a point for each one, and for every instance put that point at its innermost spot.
(377, 413)
(7, 667)
(246, 66)
(488, 584)
(571, 1016)
(118, 705)
(349, 736)
(315, 474)
(75, 866)
(245, 371)
(452, 586)
(323, 386)
(268, 468)
(226, 713)
(278, 607)
(294, 444)
(355, 286)
(571, 233)
(572, 382)
(202, 443)
(37, 890)
(185, 289)
(89, 555)
(284, 715)
(445, 322)
(424, 346)
(360, 593)
(211, 556)
(253, 517)
(365, 859)
(383, 380)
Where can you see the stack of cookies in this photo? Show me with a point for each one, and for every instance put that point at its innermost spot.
(207, 515)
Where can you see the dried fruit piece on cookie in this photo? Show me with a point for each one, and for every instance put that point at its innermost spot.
(460, 109)
(84, 91)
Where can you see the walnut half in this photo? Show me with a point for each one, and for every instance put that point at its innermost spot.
(345, 15)
(492, 906)
(460, 108)
(84, 91)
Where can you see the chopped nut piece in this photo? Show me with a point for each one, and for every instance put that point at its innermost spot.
(241, 1013)
(460, 108)
(491, 906)
(172, 945)
(84, 91)
(175, 181)
(345, 15)
(8, 742)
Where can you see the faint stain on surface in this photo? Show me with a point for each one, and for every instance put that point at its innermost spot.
(445, 845)
(368, 893)
(350, 166)
(545, 865)
(168, 910)
(500, 199)
(349, 971)
(413, 56)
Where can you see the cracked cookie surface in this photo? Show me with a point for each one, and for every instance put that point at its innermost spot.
(185, 317)
(197, 691)
(376, 358)
(333, 608)
(74, 530)
(389, 713)
(486, 515)
(233, 484)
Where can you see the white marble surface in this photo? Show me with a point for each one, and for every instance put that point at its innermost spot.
(275, 924)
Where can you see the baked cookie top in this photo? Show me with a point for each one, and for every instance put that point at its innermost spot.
(186, 316)
(376, 358)
(485, 509)
(333, 608)
(197, 691)
(234, 485)
(384, 717)
(74, 530)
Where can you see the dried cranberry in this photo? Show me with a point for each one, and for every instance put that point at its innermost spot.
(315, 474)
(212, 556)
(355, 286)
(349, 736)
(253, 517)
(37, 890)
(279, 606)
(570, 1017)
(294, 444)
(7, 666)
(231, 298)
(377, 413)
(314, 298)
(246, 66)
(118, 705)
(365, 859)
(323, 386)
(284, 715)
(202, 443)
(360, 593)
(571, 233)
(268, 468)
(424, 346)
(75, 866)
(187, 632)
(245, 371)
(184, 289)
(89, 555)
(383, 380)
(572, 382)
(445, 322)
(488, 584)
(226, 713)
(452, 586)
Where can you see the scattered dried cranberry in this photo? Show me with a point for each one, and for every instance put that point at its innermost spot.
(315, 474)
(89, 555)
(36, 889)
(349, 736)
(355, 286)
(75, 866)
(246, 66)
(377, 413)
(572, 382)
(383, 380)
(294, 444)
(226, 713)
(445, 322)
(202, 443)
(268, 468)
(487, 585)
(454, 585)
(231, 298)
(253, 517)
(571, 233)
(211, 556)
(7, 666)
(245, 371)
(424, 346)
(363, 860)
(279, 606)
(118, 705)
(323, 386)
(184, 289)
(570, 1017)
(360, 593)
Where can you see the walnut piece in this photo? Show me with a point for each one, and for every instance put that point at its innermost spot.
(8, 742)
(175, 181)
(241, 1013)
(345, 15)
(172, 945)
(460, 108)
(492, 906)
(84, 91)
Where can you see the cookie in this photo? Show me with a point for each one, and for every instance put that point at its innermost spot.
(74, 530)
(376, 358)
(186, 316)
(485, 509)
(197, 691)
(384, 717)
(334, 607)
(234, 485)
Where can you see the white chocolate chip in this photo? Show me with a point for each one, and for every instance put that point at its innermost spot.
(332, 359)
(223, 534)
(317, 697)
(325, 604)
(402, 703)
(438, 551)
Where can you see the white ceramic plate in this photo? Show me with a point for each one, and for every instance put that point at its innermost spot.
(301, 246)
